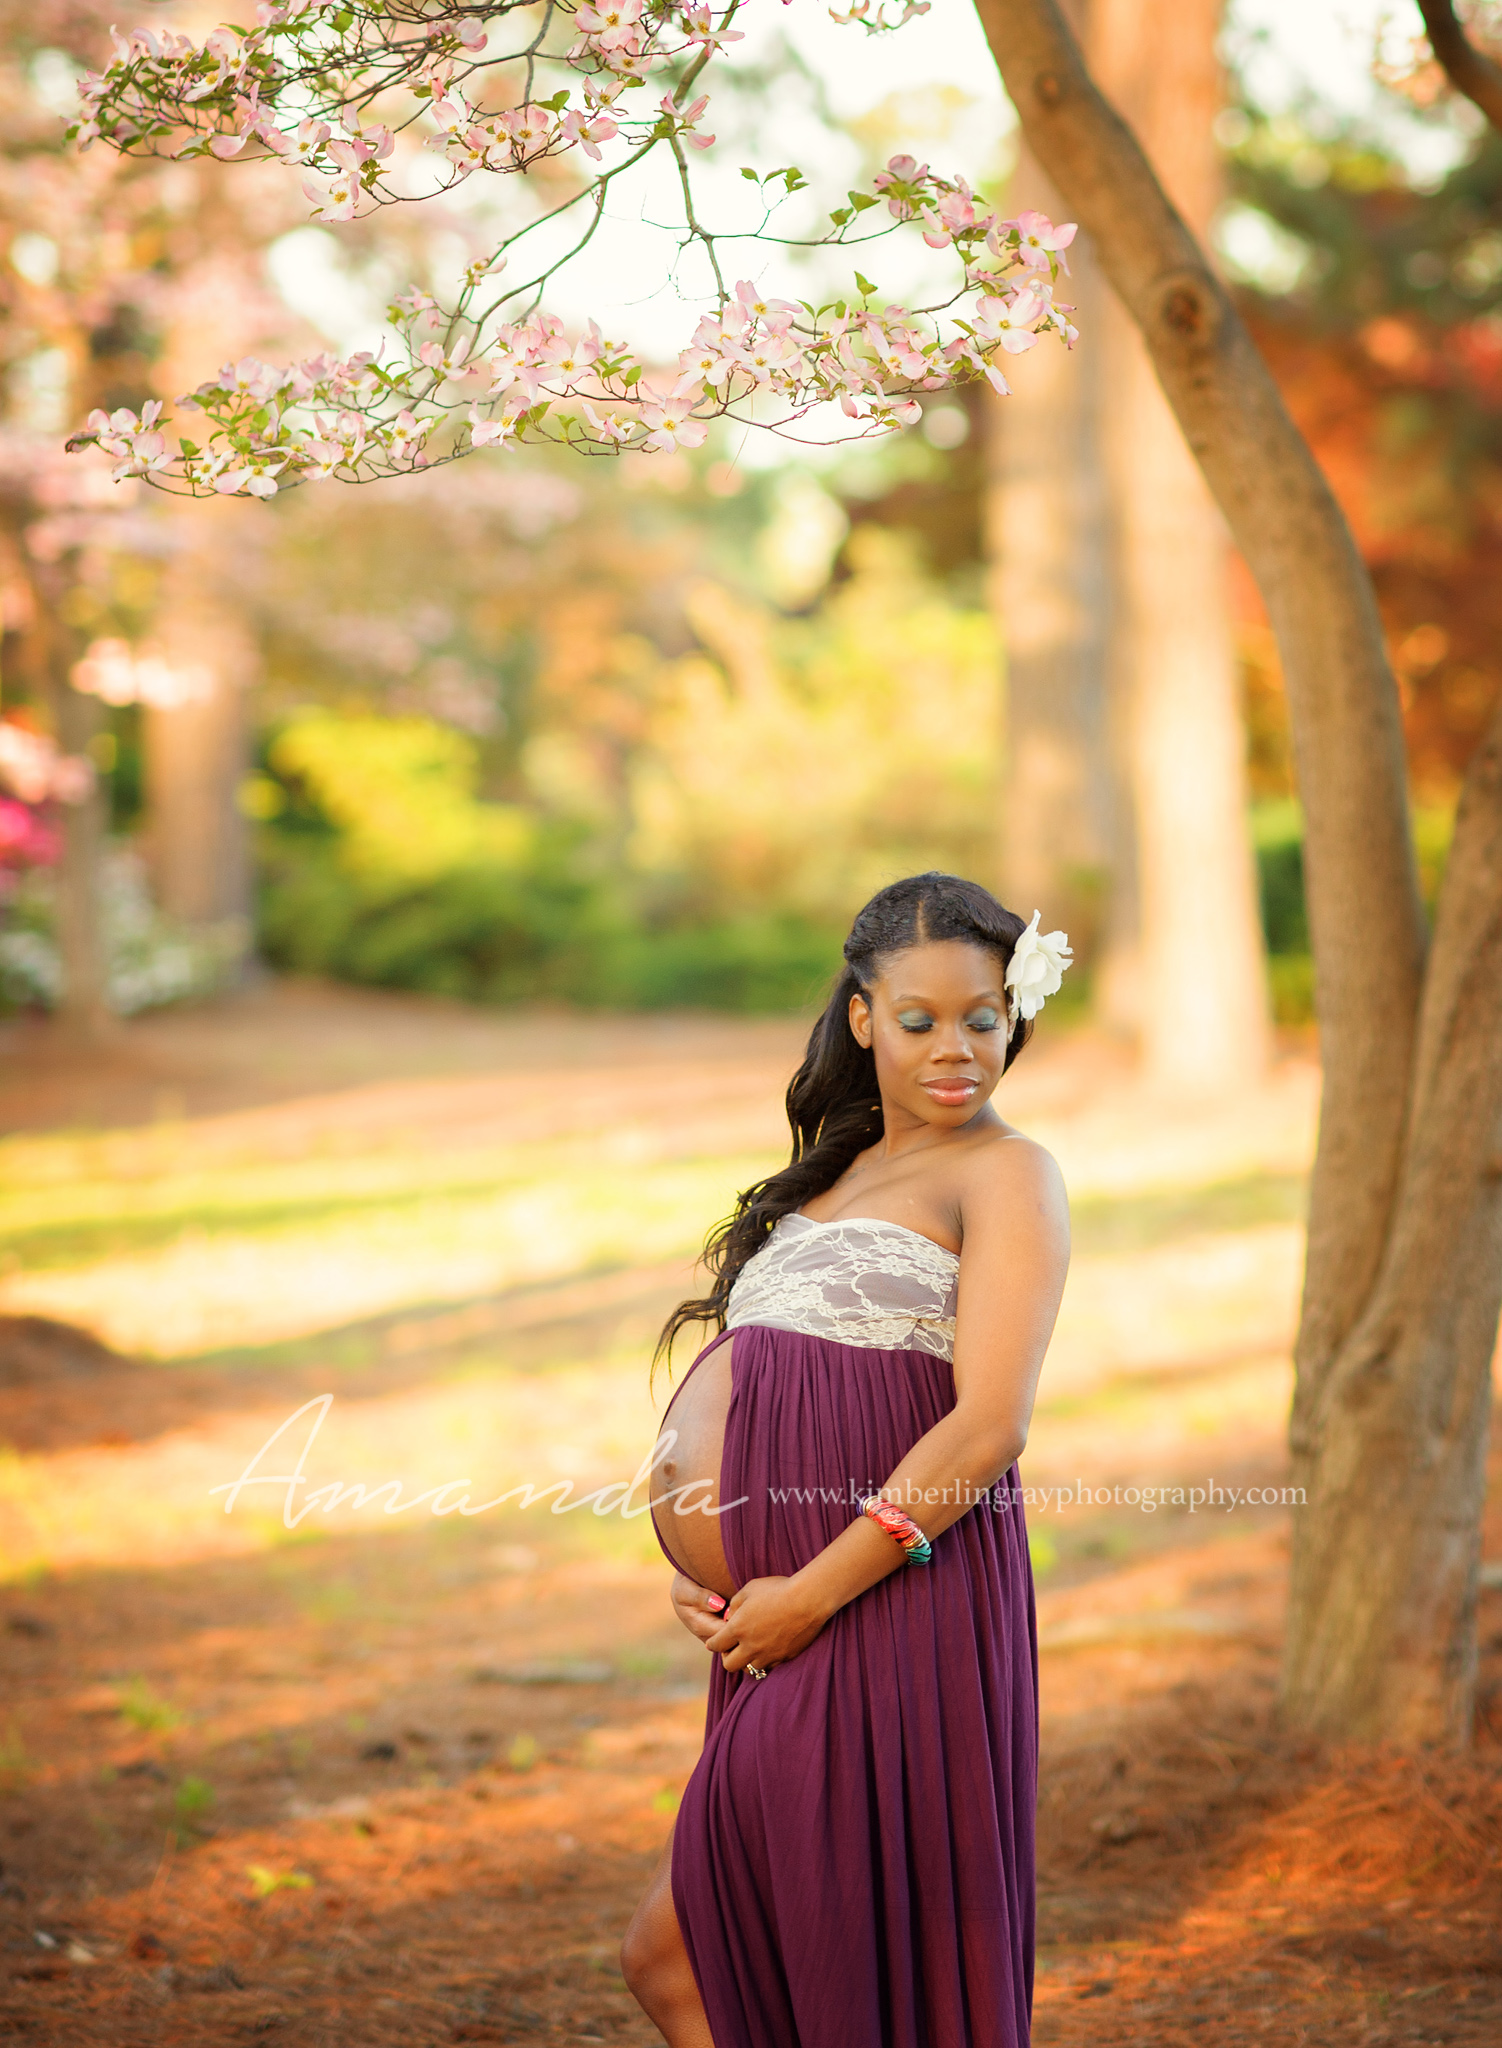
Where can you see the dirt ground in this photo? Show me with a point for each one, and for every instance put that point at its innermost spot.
(398, 1779)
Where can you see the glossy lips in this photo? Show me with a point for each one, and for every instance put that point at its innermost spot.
(953, 1093)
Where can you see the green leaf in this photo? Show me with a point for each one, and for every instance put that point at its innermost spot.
(840, 215)
(748, 173)
(864, 284)
(342, 20)
(189, 448)
(557, 103)
(633, 375)
(861, 200)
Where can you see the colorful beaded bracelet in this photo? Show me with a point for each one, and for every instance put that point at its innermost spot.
(900, 1527)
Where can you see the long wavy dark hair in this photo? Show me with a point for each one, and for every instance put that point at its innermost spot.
(833, 1102)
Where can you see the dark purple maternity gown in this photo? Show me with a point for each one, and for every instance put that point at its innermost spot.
(853, 1862)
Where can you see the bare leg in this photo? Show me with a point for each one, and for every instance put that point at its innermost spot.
(655, 1964)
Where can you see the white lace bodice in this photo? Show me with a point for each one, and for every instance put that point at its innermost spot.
(858, 1280)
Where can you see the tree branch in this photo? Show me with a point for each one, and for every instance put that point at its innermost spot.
(1472, 73)
(1365, 913)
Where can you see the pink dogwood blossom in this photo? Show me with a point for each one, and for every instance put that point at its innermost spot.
(670, 425)
(482, 364)
(1039, 244)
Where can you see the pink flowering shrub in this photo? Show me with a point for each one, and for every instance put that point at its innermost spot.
(26, 839)
(34, 779)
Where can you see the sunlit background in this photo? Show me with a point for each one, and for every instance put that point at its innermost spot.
(412, 904)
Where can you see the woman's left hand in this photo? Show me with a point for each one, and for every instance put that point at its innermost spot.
(767, 1622)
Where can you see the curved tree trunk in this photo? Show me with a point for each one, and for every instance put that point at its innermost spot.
(1403, 1276)
(1391, 1441)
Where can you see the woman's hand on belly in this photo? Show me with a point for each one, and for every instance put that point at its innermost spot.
(768, 1621)
(700, 1610)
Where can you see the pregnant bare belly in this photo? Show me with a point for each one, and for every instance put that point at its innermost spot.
(689, 1449)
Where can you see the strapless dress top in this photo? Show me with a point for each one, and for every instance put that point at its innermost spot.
(857, 1280)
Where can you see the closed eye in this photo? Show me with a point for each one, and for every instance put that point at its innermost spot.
(984, 1020)
(915, 1020)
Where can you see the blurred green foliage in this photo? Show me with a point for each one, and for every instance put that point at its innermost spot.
(382, 865)
(677, 809)
(1278, 838)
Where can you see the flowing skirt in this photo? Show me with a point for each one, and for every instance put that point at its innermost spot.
(853, 1860)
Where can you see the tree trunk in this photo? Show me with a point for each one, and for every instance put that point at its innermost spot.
(1390, 1443)
(83, 1009)
(1402, 1278)
(1061, 847)
(197, 750)
(1174, 665)
(195, 762)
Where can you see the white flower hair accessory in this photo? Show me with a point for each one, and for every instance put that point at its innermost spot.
(1035, 971)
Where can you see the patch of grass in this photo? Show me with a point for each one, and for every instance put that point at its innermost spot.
(82, 1208)
(264, 1882)
(404, 1189)
(1131, 1223)
(15, 1762)
(191, 1803)
(42, 1247)
(141, 1708)
(31, 1575)
(335, 1600)
(643, 1663)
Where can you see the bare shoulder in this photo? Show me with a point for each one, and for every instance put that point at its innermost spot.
(1009, 1176)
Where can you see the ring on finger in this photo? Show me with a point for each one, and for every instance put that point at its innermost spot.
(755, 1671)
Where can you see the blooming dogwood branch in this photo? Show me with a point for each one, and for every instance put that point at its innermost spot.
(348, 95)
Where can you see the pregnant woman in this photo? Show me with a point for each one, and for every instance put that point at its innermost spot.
(852, 1863)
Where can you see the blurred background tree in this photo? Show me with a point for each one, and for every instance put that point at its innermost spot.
(113, 269)
(647, 732)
